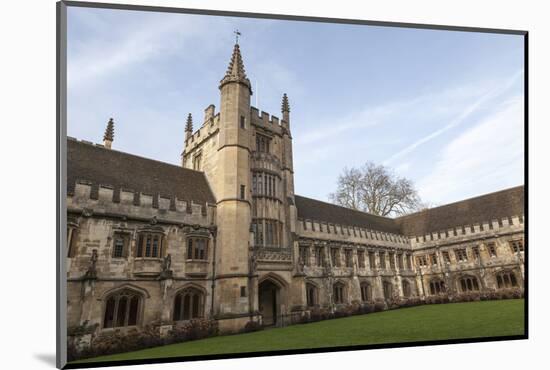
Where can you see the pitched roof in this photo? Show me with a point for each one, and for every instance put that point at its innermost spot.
(488, 207)
(312, 209)
(484, 208)
(100, 166)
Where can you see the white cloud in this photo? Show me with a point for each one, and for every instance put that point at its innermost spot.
(110, 51)
(483, 159)
(494, 92)
(413, 109)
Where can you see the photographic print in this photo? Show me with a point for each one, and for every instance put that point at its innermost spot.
(239, 185)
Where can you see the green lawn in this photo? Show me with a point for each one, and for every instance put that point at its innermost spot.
(429, 322)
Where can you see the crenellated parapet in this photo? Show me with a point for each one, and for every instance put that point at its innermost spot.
(465, 233)
(350, 233)
(105, 200)
(266, 122)
(208, 129)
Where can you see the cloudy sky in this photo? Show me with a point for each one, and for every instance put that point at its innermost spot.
(444, 109)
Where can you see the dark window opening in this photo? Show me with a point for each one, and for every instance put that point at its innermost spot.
(121, 309)
(188, 304)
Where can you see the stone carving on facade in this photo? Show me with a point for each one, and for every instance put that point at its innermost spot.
(91, 273)
(166, 272)
(87, 212)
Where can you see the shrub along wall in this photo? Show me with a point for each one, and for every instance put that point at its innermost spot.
(83, 343)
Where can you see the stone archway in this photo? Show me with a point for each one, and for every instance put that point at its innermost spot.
(269, 302)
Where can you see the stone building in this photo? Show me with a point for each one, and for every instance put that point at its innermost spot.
(223, 236)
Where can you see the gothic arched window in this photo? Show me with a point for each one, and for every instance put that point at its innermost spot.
(506, 280)
(366, 292)
(311, 295)
(406, 288)
(188, 304)
(122, 309)
(469, 284)
(338, 293)
(388, 289)
(437, 287)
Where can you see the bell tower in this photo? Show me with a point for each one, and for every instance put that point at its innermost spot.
(231, 295)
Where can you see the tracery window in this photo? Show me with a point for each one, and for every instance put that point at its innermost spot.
(72, 236)
(122, 309)
(437, 287)
(304, 255)
(422, 261)
(469, 284)
(197, 162)
(400, 261)
(382, 257)
(446, 256)
(338, 293)
(366, 292)
(262, 143)
(349, 257)
(335, 257)
(506, 280)
(311, 295)
(406, 288)
(150, 245)
(388, 289)
(267, 232)
(491, 248)
(517, 246)
(391, 256)
(319, 256)
(461, 255)
(361, 258)
(475, 252)
(188, 304)
(197, 248)
(264, 184)
(372, 260)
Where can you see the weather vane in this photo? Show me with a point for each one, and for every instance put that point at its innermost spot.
(237, 34)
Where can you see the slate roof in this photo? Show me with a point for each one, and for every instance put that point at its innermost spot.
(488, 207)
(484, 208)
(100, 166)
(312, 209)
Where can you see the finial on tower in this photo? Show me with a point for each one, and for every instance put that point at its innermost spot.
(235, 71)
(109, 135)
(284, 106)
(237, 34)
(189, 126)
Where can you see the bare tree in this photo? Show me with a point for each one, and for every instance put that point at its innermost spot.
(375, 189)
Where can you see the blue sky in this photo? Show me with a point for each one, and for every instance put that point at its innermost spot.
(442, 108)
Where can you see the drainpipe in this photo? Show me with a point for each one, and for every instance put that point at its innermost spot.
(214, 234)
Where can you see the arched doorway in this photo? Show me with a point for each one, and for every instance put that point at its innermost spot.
(268, 297)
